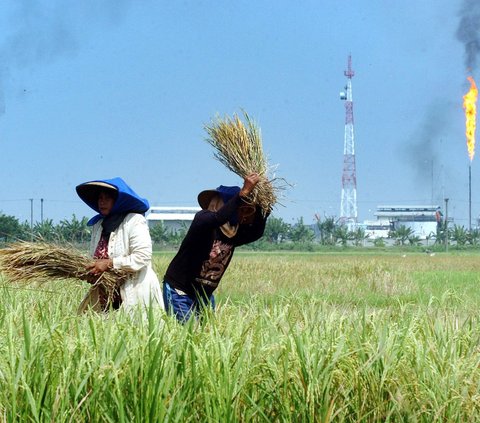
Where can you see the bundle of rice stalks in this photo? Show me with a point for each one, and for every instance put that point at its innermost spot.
(239, 147)
(42, 262)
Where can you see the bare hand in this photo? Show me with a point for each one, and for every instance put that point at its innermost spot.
(100, 266)
(249, 183)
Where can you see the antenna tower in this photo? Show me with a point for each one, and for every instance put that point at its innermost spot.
(348, 207)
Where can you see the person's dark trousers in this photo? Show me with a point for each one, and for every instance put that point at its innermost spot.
(182, 305)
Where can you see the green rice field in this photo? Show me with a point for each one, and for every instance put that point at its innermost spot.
(296, 337)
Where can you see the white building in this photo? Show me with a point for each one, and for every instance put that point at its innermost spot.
(173, 218)
(421, 219)
(376, 228)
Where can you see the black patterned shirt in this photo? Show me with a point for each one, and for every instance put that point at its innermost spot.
(205, 253)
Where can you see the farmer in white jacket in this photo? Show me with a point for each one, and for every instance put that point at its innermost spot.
(120, 240)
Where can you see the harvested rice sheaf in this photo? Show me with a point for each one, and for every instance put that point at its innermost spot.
(41, 262)
(239, 147)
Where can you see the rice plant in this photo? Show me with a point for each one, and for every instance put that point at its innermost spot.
(330, 338)
(25, 262)
(238, 146)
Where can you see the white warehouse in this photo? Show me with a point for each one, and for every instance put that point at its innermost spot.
(422, 220)
(173, 218)
(376, 228)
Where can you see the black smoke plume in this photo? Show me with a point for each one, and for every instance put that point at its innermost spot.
(468, 32)
(39, 32)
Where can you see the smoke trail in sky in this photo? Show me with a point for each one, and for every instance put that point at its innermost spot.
(468, 31)
(423, 151)
(42, 31)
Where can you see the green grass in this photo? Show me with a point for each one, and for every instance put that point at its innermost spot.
(296, 337)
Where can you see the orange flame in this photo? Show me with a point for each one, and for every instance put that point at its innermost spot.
(469, 104)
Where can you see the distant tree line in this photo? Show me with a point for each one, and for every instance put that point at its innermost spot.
(74, 230)
(329, 232)
(278, 234)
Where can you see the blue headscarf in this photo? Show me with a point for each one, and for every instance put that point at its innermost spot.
(226, 192)
(127, 201)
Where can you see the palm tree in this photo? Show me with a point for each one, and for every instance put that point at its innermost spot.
(342, 234)
(359, 236)
(459, 234)
(45, 231)
(430, 236)
(326, 229)
(301, 233)
(276, 230)
(474, 237)
(401, 234)
(159, 232)
(414, 240)
(175, 237)
(74, 230)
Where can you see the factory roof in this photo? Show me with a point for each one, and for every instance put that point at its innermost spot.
(408, 208)
(408, 212)
(172, 213)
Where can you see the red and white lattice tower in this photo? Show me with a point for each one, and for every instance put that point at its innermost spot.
(348, 207)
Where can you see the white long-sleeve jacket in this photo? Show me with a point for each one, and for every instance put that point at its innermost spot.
(130, 248)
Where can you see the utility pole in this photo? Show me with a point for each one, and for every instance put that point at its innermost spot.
(431, 182)
(446, 225)
(41, 210)
(31, 219)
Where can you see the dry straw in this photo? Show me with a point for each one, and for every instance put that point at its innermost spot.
(238, 146)
(42, 262)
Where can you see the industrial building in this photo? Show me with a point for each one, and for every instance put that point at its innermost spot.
(376, 228)
(423, 220)
(173, 218)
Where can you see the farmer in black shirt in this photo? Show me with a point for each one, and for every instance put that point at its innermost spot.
(225, 222)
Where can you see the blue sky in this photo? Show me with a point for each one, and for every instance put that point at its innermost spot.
(95, 89)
